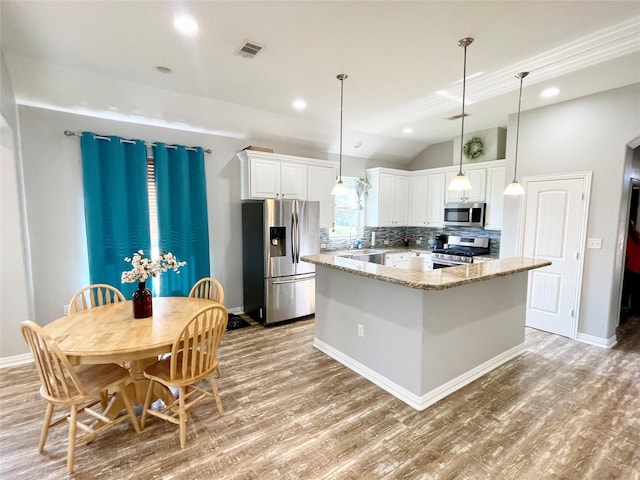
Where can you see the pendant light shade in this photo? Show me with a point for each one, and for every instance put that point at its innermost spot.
(514, 188)
(460, 181)
(340, 188)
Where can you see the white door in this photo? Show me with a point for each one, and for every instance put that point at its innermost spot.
(554, 229)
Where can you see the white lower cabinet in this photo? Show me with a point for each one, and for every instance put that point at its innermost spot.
(401, 260)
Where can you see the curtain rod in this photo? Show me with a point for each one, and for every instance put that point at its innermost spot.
(69, 133)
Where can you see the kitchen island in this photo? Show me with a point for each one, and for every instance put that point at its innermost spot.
(421, 335)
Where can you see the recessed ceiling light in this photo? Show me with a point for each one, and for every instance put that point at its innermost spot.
(407, 131)
(185, 25)
(163, 69)
(550, 92)
(299, 104)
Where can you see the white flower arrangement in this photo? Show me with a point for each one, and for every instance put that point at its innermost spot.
(143, 267)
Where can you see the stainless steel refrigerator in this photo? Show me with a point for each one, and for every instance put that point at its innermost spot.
(275, 234)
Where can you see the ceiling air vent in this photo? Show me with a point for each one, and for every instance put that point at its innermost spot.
(249, 49)
(456, 117)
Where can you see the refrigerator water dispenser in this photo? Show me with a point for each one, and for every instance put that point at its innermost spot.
(277, 241)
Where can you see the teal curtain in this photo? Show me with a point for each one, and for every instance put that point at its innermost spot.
(182, 215)
(116, 206)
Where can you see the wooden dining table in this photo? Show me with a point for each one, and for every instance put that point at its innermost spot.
(110, 334)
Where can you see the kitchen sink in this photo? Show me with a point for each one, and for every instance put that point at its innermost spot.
(370, 255)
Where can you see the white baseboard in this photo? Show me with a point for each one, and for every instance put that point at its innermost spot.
(236, 310)
(423, 401)
(15, 360)
(597, 341)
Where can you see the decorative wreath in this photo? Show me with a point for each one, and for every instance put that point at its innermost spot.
(473, 148)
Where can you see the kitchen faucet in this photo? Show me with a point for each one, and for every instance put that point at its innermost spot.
(350, 245)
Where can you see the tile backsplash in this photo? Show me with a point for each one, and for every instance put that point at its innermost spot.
(395, 235)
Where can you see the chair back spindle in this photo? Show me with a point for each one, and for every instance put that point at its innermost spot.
(208, 288)
(59, 379)
(93, 296)
(194, 350)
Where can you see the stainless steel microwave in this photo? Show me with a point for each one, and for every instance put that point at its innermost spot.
(464, 214)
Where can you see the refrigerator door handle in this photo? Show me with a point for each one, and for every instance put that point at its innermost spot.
(297, 238)
(293, 237)
(295, 232)
(295, 280)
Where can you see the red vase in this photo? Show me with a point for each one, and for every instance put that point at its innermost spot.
(141, 299)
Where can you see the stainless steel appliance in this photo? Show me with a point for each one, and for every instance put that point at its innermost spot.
(461, 251)
(464, 214)
(275, 234)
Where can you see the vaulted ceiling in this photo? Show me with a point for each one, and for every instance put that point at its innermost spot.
(402, 58)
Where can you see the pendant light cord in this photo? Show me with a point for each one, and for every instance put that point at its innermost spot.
(341, 77)
(515, 162)
(464, 88)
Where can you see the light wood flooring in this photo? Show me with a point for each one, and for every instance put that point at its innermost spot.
(562, 410)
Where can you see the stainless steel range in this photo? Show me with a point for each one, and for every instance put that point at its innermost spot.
(461, 251)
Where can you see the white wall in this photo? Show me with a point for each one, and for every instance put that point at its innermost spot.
(16, 298)
(434, 156)
(586, 134)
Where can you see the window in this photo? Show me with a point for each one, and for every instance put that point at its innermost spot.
(153, 217)
(347, 212)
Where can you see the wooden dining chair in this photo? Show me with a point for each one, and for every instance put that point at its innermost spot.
(193, 357)
(94, 296)
(78, 389)
(208, 288)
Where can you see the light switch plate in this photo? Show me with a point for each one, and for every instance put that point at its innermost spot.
(594, 243)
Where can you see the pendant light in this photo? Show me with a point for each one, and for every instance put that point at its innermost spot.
(460, 181)
(340, 188)
(514, 188)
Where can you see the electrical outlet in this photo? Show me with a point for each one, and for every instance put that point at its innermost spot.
(419, 241)
(65, 309)
(386, 242)
(360, 330)
(594, 243)
(323, 245)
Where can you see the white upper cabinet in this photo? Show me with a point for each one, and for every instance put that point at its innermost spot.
(388, 199)
(293, 181)
(320, 183)
(495, 198)
(264, 179)
(426, 200)
(274, 179)
(271, 175)
(477, 176)
(435, 199)
(418, 201)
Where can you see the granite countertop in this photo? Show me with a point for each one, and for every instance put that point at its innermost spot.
(432, 279)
